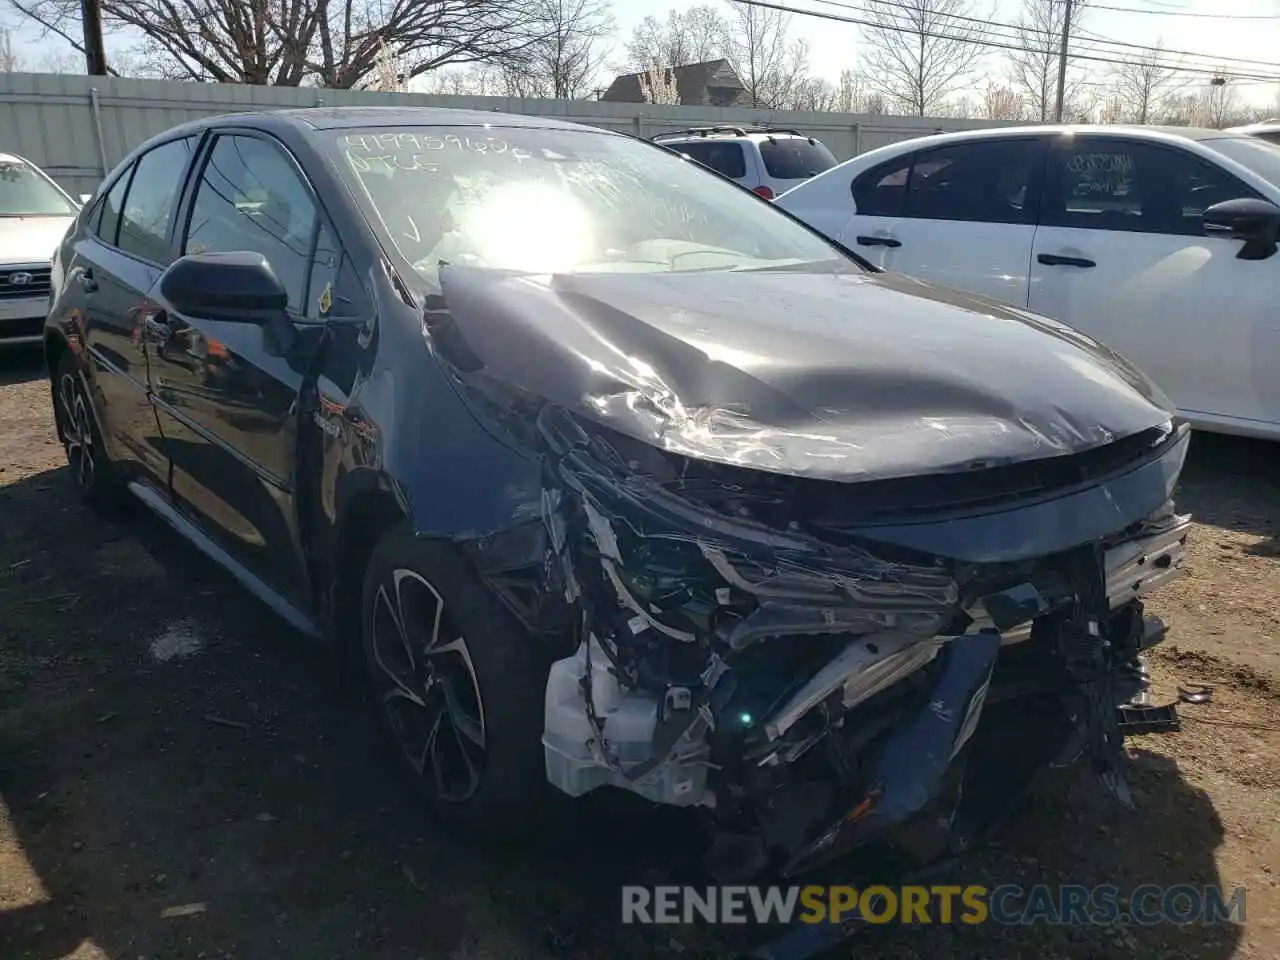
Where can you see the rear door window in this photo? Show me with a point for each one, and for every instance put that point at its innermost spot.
(795, 158)
(724, 157)
(152, 200)
(882, 190)
(985, 181)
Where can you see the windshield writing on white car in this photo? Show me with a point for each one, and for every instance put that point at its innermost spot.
(1100, 174)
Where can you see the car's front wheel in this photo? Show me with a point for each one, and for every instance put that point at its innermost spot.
(456, 688)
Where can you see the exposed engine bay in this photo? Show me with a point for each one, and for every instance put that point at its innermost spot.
(748, 647)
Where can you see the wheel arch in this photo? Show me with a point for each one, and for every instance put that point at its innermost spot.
(364, 517)
(55, 348)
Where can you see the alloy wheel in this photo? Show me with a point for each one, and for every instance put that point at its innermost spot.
(427, 687)
(77, 431)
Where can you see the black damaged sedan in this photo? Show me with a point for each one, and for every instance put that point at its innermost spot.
(604, 472)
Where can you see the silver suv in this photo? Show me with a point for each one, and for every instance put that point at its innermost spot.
(767, 161)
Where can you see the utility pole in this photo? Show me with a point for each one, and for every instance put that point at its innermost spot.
(1062, 62)
(95, 54)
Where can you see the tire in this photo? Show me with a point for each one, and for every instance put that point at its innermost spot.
(480, 686)
(92, 472)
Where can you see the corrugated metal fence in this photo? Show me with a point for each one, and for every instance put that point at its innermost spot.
(78, 127)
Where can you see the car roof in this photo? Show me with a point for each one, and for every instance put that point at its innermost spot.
(339, 118)
(1161, 134)
(728, 132)
(13, 158)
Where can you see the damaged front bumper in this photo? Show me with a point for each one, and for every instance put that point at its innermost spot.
(816, 683)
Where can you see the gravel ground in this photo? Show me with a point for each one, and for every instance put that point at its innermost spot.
(182, 777)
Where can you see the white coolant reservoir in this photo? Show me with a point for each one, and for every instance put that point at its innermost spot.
(567, 729)
(629, 719)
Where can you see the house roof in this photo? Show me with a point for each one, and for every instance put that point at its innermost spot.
(692, 81)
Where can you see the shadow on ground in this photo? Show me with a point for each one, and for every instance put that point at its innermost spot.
(186, 778)
(1234, 483)
(21, 364)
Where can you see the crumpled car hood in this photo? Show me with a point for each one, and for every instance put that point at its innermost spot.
(826, 375)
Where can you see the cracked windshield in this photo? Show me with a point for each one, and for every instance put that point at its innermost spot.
(556, 201)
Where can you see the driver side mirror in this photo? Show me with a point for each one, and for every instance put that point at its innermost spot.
(1256, 222)
(236, 287)
(233, 287)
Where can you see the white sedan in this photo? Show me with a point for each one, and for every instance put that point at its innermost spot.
(1161, 243)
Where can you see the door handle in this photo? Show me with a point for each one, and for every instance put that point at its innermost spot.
(1057, 260)
(87, 281)
(865, 241)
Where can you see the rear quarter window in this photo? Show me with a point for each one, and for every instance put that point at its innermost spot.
(724, 157)
(882, 191)
(794, 158)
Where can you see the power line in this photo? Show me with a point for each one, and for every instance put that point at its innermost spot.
(1018, 29)
(1003, 42)
(1178, 53)
(1182, 13)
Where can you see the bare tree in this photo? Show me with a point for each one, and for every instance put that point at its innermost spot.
(335, 43)
(757, 46)
(388, 72)
(686, 36)
(847, 95)
(1142, 85)
(66, 61)
(919, 52)
(1104, 106)
(658, 85)
(1033, 66)
(562, 63)
(853, 95)
(124, 63)
(130, 62)
(851, 92)
(1219, 104)
(1178, 110)
(10, 60)
(1001, 103)
(474, 80)
(815, 94)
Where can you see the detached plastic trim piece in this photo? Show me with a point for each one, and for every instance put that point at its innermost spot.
(1135, 720)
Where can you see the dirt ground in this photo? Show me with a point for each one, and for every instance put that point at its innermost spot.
(182, 777)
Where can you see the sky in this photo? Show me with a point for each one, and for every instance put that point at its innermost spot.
(1208, 34)
(1204, 29)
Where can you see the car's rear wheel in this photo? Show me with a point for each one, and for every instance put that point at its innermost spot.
(92, 472)
(456, 688)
